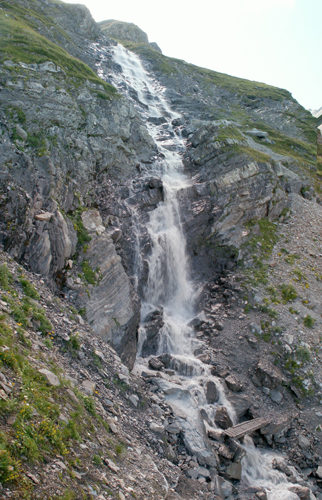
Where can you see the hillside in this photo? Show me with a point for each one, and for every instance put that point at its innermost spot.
(160, 239)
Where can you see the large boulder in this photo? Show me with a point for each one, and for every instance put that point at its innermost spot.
(269, 375)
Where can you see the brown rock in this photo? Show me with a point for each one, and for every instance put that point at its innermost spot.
(269, 375)
(233, 383)
(301, 491)
(222, 418)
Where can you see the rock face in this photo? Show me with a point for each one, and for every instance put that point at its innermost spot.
(122, 31)
(75, 185)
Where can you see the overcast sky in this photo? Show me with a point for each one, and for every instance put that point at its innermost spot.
(273, 41)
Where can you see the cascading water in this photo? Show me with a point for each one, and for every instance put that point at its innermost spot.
(168, 282)
(168, 286)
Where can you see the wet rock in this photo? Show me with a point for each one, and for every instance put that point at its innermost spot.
(216, 435)
(269, 375)
(222, 418)
(261, 495)
(212, 394)
(152, 324)
(302, 492)
(234, 470)
(155, 364)
(241, 403)
(233, 383)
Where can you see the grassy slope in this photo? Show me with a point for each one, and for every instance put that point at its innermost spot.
(248, 91)
(20, 42)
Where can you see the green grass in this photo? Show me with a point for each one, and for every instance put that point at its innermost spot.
(308, 321)
(20, 42)
(29, 289)
(89, 274)
(288, 293)
(289, 146)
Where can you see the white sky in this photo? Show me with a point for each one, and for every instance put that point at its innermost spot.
(273, 41)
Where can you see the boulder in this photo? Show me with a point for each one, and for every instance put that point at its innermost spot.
(269, 375)
(222, 418)
(233, 383)
(212, 394)
(301, 491)
(50, 377)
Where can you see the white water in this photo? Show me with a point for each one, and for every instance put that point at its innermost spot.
(257, 471)
(168, 283)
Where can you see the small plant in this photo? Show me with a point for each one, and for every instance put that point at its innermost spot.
(303, 354)
(288, 293)
(74, 342)
(29, 289)
(291, 258)
(89, 274)
(97, 460)
(308, 321)
(293, 311)
(48, 343)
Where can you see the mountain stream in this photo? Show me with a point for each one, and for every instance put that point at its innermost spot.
(187, 386)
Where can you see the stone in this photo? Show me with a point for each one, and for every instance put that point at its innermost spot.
(212, 394)
(216, 435)
(303, 442)
(255, 328)
(50, 377)
(219, 326)
(91, 220)
(227, 488)
(88, 386)
(44, 217)
(155, 364)
(276, 396)
(222, 418)
(302, 492)
(234, 470)
(318, 472)
(134, 399)
(21, 132)
(233, 383)
(156, 428)
(268, 374)
(114, 468)
(289, 339)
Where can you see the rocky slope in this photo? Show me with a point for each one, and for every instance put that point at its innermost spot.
(76, 193)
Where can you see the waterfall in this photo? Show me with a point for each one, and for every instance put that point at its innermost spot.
(257, 471)
(168, 284)
(169, 289)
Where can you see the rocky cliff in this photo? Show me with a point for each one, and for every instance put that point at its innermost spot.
(77, 189)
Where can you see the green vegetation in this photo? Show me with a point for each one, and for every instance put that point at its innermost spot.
(29, 289)
(89, 274)
(288, 293)
(263, 242)
(308, 321)
(289, 146)
(18, 32)
(291, 258)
